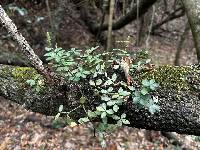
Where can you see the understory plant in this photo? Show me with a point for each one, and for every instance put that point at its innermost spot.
(76, 65)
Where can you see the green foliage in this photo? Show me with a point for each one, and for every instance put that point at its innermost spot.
(73, 64)
(20, 10)
(69, 121)
(143, 96)
(76, 65)
(197, 138)
(37, 83)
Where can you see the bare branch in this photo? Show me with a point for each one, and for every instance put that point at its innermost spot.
(170, 17)
(144, 5)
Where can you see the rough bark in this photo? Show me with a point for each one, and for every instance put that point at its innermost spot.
(192, 8)
(178, 95)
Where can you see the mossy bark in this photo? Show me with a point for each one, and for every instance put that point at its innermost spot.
(178, 95)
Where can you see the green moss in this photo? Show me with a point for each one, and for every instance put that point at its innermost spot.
(5, 71)
(19, 74)
(23, 74)
(170, 77)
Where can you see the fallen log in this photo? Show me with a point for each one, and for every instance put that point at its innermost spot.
(178, 97)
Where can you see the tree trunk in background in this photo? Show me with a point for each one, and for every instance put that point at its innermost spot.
(192, 8)
(180, 45)
(110, 22)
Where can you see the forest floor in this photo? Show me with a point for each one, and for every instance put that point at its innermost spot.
(24, 130)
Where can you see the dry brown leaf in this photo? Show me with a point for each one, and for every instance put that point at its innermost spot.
(4, 145)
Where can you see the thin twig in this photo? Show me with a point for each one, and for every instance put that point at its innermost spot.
(53, 33)
(110, 22)
(138, 23)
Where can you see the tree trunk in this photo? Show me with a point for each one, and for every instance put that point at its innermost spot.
(178, 96)
(181, 44)
(192, 8)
